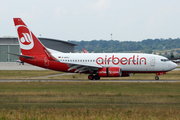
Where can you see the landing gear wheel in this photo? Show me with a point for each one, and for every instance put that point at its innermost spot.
(156, 78)
(91, 77)
(96, 77)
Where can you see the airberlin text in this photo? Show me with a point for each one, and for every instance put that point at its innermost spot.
(135, 60)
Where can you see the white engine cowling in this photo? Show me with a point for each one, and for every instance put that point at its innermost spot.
(110, 72)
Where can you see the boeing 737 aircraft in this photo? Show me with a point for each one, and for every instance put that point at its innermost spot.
(96, 64)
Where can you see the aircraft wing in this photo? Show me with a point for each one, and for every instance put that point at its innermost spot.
(82, 67)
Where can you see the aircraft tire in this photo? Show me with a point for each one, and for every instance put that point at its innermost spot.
(91, 77)
(156, 78)
(96, 77)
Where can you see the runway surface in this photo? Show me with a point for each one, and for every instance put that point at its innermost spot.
(141, 81)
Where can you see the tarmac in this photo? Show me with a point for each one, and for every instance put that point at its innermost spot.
(18, 66)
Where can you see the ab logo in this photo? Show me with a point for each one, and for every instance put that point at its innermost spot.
(25, 37)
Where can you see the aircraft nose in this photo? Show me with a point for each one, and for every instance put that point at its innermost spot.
(174, 65)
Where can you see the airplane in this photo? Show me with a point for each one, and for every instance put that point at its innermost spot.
(84, 50)
(176, 61)
(95, 64)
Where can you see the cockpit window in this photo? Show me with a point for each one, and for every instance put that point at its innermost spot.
(164, 60)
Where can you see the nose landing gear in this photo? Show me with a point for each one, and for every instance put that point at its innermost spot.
(159, 73)
(156, 78)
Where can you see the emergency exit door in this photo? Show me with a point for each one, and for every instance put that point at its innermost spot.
(152, 61)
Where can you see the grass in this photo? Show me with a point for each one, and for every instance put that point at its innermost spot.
(168, 51)
(86, 99)
(86, 92)
(25, 74)
(89, 100)
(90, 114)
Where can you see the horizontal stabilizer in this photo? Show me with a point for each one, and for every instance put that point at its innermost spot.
(24, 56)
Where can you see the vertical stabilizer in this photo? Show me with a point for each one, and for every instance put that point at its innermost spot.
(28, 42)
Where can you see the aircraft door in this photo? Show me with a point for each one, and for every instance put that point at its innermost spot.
(152, 61)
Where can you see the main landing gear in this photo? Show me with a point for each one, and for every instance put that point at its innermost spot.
(93, 77)
(156, 78)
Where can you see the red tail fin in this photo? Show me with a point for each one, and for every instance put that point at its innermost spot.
(28, 42)
(84, 50)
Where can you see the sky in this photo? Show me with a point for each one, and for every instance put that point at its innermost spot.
(126, 20)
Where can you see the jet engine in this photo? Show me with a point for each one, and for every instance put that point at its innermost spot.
(110, 72)
(125, 74)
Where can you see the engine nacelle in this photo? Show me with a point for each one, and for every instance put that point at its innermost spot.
(110, 72)
(125, 74)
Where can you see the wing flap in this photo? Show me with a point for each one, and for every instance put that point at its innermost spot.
(80, 67)
(82, 64)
